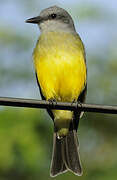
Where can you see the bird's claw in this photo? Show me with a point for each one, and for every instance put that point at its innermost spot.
(79, 103)
(52, 101)
(74, 101)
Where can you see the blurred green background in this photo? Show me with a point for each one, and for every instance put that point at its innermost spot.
(26, 134)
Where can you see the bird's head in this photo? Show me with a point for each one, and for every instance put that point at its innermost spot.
(53, 19)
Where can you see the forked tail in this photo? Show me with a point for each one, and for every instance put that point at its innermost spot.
(65, 155)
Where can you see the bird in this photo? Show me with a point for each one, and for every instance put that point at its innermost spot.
(61, 72)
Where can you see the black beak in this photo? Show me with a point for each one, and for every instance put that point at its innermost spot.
(34, 20)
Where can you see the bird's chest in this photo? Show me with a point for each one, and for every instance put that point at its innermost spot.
(59, 68)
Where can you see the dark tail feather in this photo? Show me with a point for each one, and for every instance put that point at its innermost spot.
(66, 155)
(57, 164)
(72, 153)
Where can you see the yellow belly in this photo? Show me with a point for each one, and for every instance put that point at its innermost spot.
(60, 66)
(59, 60)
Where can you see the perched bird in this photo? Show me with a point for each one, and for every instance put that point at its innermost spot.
(60, 66)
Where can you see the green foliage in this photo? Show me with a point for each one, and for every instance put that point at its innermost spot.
(10, 37)
(26, 145)
(89, 11)
(25, 142)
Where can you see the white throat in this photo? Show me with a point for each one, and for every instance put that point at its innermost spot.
(56, 26)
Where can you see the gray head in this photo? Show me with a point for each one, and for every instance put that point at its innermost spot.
(54, 19)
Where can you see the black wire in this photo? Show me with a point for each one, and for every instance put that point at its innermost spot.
(33, 103)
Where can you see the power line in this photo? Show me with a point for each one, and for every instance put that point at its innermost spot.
(33, 103)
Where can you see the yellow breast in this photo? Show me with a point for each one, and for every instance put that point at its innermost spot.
(60, 65)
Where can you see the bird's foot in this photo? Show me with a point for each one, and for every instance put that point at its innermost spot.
(74, 101)
(78, 103)
(52, 101)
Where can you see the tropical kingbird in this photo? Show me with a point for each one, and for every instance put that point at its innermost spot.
(60, 66)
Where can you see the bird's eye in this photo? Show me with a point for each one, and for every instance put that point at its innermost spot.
(53, 16)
